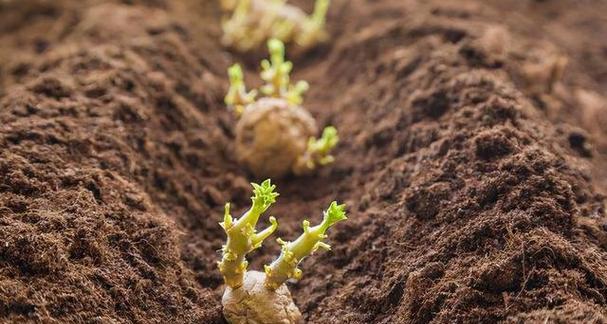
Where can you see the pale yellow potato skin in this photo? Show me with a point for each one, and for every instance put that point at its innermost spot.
(253, 303)
(272, 135)
(259, 8)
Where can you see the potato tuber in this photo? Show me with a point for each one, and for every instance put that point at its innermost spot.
(272, 136)
(249, 23)
(275, 135)
(263, 297)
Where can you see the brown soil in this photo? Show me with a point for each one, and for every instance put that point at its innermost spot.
(473, 163)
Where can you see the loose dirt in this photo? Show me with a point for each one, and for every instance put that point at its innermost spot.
(473, 161)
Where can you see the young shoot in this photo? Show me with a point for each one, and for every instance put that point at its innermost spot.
(276, 73)
(237, 97)
(318, 152)
(242, 235)
(285, 267)
(263, 297)
(320, 149)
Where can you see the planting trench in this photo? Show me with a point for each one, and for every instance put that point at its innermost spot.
(474, 175)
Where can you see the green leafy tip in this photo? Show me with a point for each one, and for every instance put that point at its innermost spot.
(258, 238)
(277, 50)
(276, 73)
(227, 218)
(321, 148)
(318, 152)
(263, 195)
(295, 92)
(237, 96)
(235, 74)
(335, 213)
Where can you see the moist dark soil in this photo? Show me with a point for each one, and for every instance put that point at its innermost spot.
(473, 162)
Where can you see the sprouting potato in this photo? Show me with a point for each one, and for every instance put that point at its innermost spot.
(252, 22)
(275, 135)
(263, 297)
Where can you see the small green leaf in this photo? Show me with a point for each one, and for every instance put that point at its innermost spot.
(276, 73)
(319, 150)
(335, 213)
(263, 195)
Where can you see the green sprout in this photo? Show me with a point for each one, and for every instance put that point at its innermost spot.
(263, 297)
(242, 235)
(313, 28)
(295, 92)
(276, 73)
(275, 134)
(285, 267)
(276, 70)
(237, 96)
(318, 151)
(321, 148)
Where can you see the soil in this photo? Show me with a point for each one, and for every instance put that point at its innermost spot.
(473, 162)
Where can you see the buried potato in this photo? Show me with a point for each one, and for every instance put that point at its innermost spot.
(263, 297)
(275, 135)
(253, 302)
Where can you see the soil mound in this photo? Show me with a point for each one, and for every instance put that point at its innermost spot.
(95, 135)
